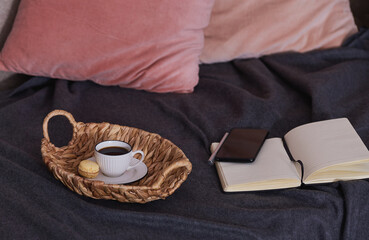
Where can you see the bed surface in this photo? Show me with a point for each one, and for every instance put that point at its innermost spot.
(277, 92)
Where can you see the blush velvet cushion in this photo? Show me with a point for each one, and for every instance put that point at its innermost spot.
(253, 28)
(149, 45)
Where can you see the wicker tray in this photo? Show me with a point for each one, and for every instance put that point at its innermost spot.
(168, 167)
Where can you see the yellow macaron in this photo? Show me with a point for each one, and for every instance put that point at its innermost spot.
(88, 169)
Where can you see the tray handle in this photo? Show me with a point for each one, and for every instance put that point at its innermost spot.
(179, 164)
(58, 113)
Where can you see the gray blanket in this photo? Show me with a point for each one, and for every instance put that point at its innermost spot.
(276, 92)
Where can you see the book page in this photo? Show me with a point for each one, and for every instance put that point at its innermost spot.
(359, 170)
(271, 165)
(322, 144)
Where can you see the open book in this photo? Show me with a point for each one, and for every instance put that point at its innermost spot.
(329, 151)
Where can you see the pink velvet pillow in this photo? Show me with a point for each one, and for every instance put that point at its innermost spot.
(152, 45)
(253, 28)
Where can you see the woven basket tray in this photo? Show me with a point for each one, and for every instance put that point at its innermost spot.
(168, 167)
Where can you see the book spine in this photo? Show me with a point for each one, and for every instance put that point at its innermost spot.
(294, 160)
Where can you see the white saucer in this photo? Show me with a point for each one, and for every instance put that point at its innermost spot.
(128, 176)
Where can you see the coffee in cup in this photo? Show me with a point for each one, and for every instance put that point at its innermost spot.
(114, 157)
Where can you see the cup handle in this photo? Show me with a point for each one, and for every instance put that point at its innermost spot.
(142, 158)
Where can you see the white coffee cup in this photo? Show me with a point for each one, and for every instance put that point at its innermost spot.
(115, 157)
